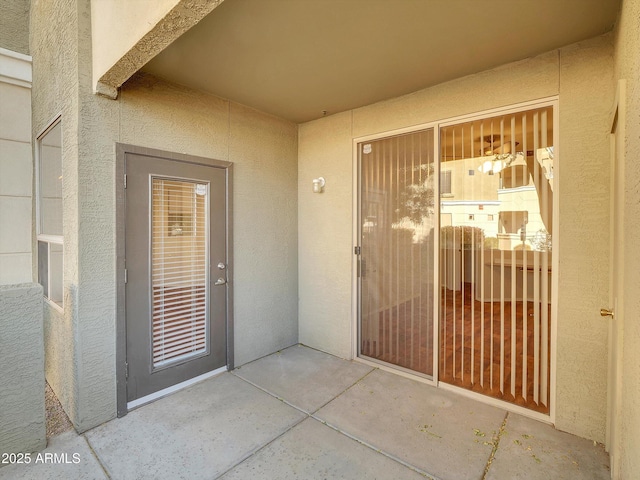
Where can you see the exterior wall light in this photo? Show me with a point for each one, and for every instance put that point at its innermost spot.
(318, 185)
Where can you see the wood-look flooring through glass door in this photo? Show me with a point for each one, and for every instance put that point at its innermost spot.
(493, 292)
(495, 256)
(395, 265)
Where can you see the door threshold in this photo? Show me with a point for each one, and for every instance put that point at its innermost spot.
(397, 370)
(174, 388)
(496, 402)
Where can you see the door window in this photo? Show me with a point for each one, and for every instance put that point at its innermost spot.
(178, 270)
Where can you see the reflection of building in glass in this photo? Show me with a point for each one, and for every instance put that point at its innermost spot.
(505, 204)
(500, 178)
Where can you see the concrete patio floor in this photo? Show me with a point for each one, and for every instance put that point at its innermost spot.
(303, 414)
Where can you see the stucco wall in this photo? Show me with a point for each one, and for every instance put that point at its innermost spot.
(324, 240)
(126, 34)
(54, 47)
(118, 25)
(628, 67)
(264, 151)
(15, 167)
(80, 343)
(578, 74)
(586, 96)
(14, 25)
(22, 418)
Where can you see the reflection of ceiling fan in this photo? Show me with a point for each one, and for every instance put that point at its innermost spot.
(498, 145)
(500, 148)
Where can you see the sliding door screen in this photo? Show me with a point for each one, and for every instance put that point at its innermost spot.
(396, 271)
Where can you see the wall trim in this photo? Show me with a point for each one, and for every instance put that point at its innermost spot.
(15, 68)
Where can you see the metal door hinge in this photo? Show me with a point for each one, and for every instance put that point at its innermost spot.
(126, 370)
(356, 250)
(126, 276)
(125, 180)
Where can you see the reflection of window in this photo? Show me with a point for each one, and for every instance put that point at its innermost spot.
(445, 182)
(490, 217)
(49, 211)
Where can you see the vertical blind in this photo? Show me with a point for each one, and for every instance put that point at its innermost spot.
(397, 250)
(179, 238)
(495, 256)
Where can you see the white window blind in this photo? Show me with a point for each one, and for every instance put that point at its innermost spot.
(179, 270)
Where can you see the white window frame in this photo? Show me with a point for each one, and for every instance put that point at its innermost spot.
(42, 237)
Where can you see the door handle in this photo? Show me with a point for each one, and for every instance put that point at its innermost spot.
(605, 312)
(220, 281)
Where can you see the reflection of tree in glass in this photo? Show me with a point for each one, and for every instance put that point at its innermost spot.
(415, 199)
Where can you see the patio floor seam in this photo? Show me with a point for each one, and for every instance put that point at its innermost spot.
(494, 450)
(271, 394)
(377, 450)
(262, 447)
(300, 409)
(97, 457)
(333, 427)
(343, 391)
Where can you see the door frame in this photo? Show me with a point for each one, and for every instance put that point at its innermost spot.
(616, 303)
(121, 327)
(554, 101)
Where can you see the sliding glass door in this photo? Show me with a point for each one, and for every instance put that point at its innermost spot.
(454, 253)
(495, 256)
(397, 220)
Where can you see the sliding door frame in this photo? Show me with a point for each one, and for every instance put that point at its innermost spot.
(357, 235)
(357, 232)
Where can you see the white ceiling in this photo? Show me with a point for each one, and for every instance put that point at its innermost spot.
(298, 58)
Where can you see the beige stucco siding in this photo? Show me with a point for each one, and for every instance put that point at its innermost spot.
(14, 26)
(293, 248)
(324, 239)
(628, 68)
(575, 74)
(126, 34)
(263, 150)
(22, 413)
(53, 45)
(117, 26)
(586, 97)
(516, 82)
(81, 343)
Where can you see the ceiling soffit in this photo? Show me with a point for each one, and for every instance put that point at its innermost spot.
(298, 59)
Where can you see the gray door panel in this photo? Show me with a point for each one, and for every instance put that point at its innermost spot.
(151, 297)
